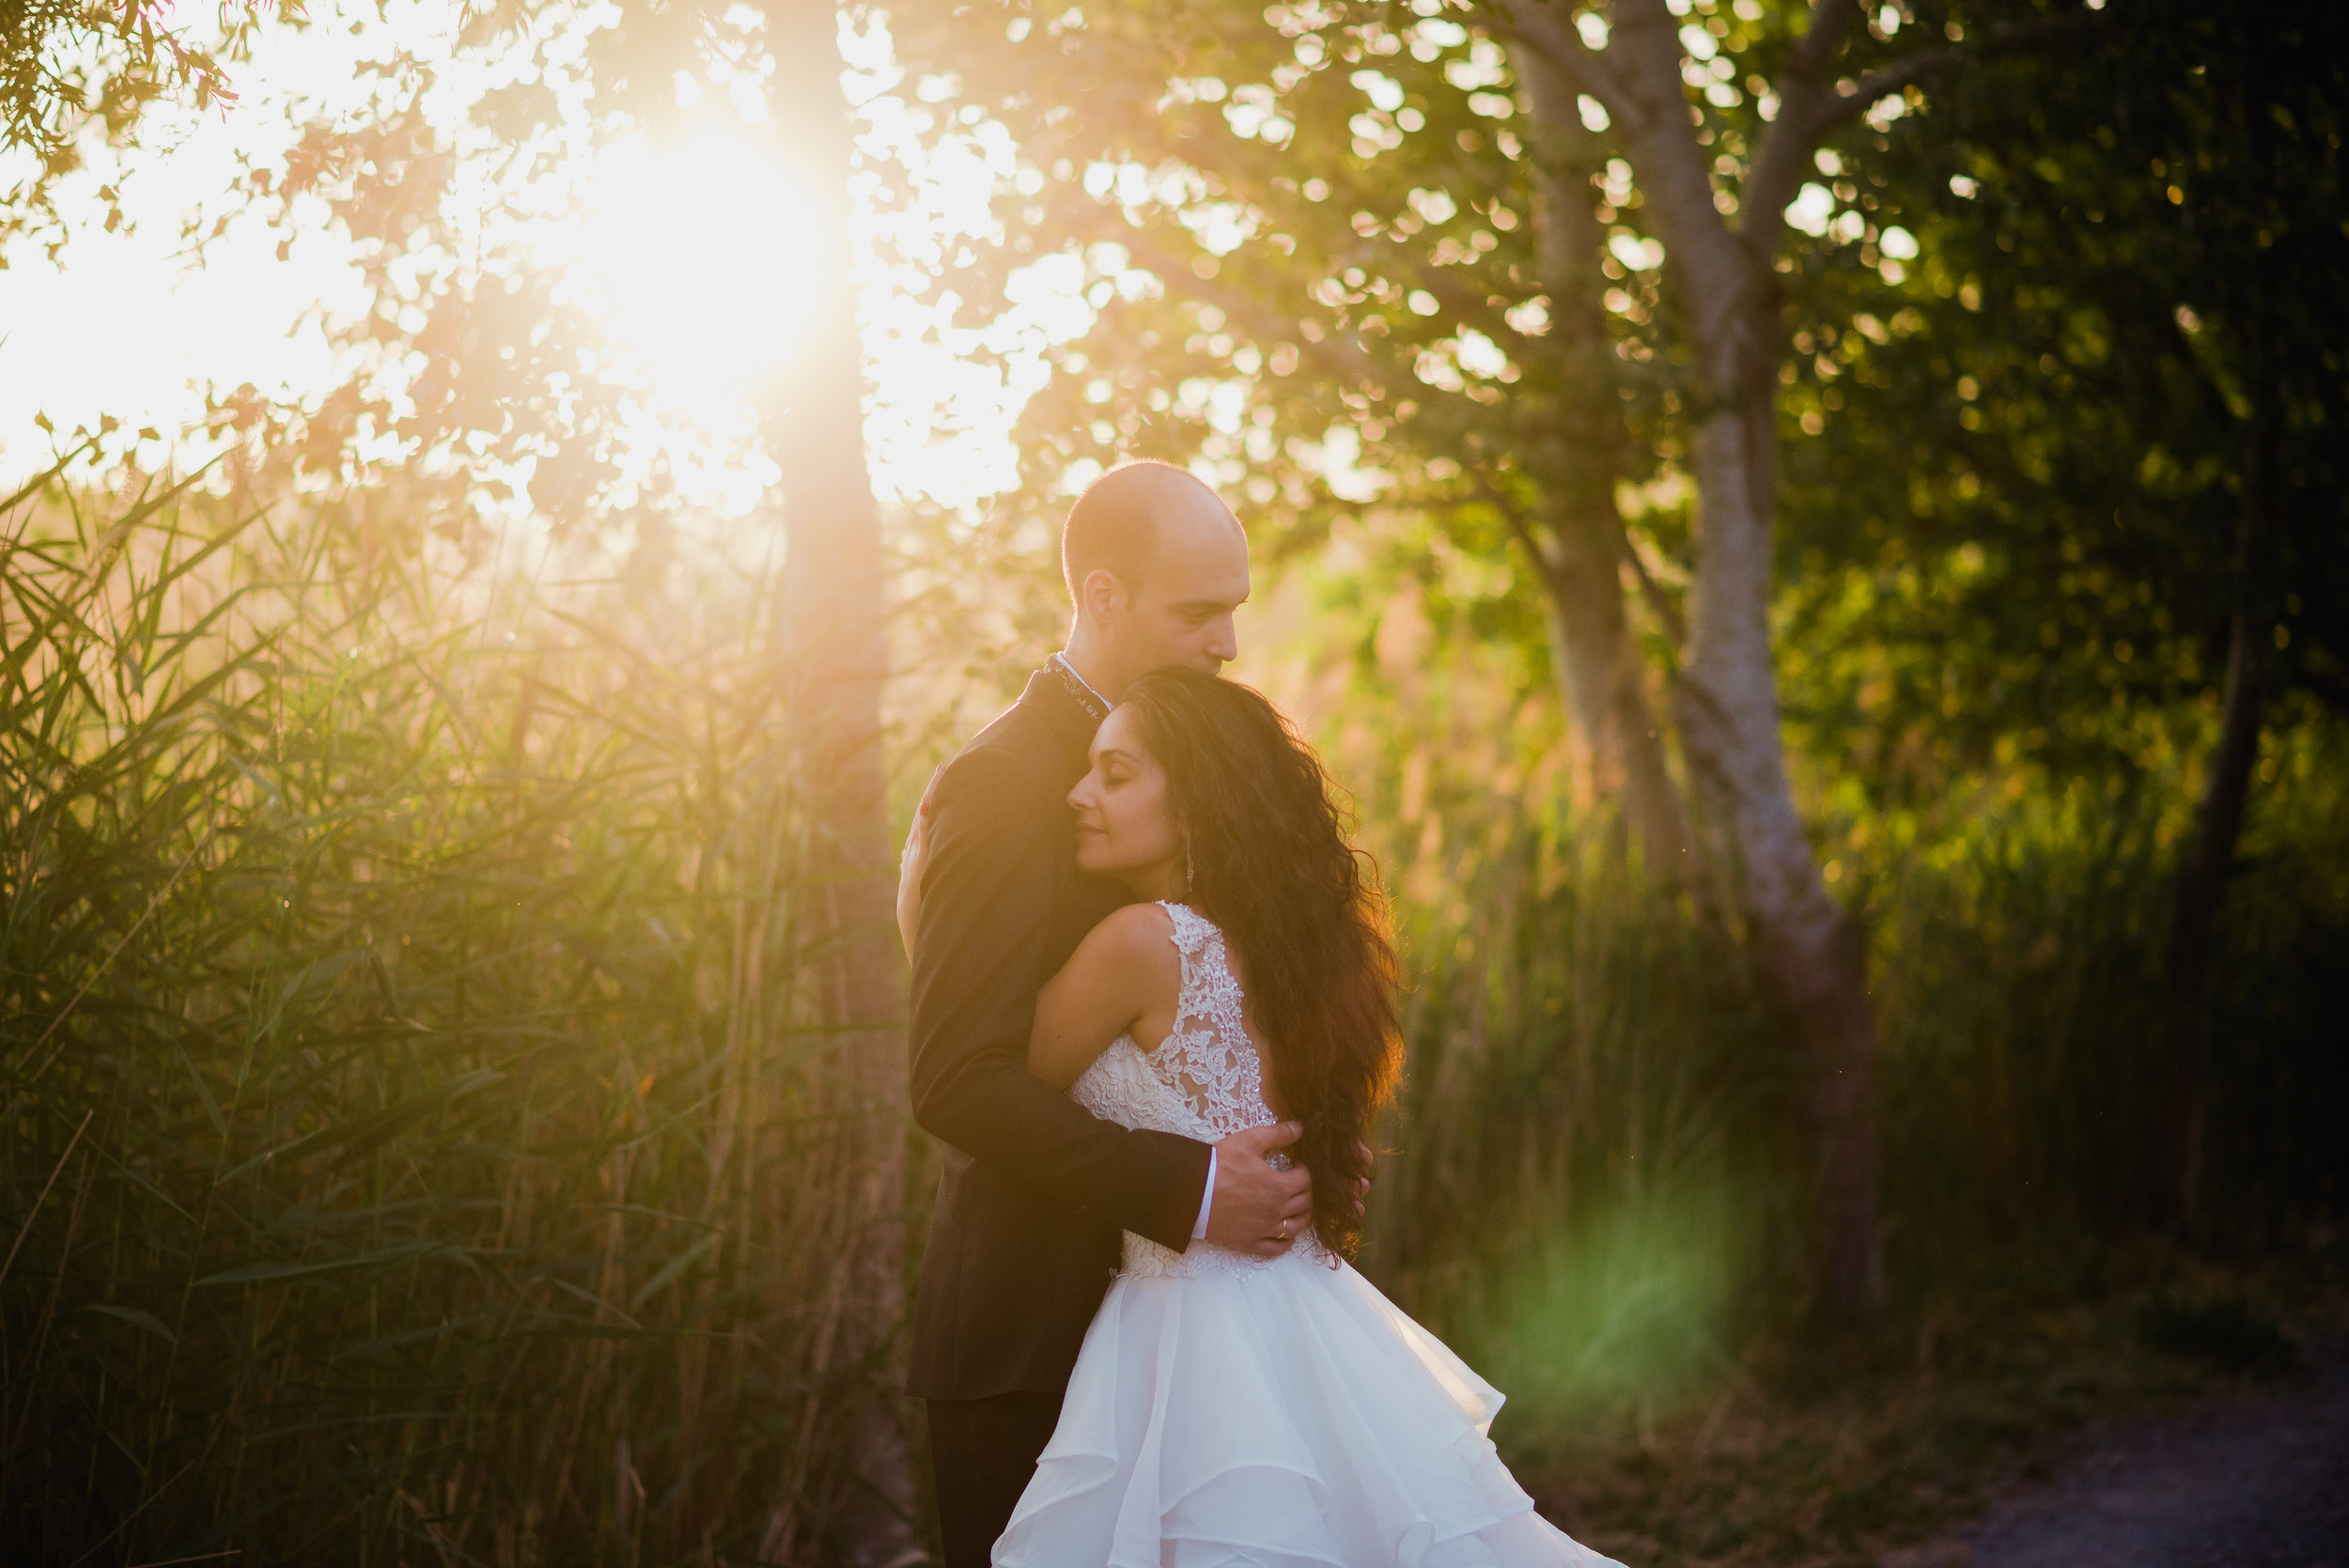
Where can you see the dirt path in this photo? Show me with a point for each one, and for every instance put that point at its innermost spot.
(2263, 1482)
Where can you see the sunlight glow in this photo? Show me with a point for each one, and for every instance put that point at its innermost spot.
(702, 255)
(708, 260)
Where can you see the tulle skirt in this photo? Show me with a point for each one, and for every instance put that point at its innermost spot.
(1280, 1414)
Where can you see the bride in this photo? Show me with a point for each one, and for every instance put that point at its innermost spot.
(1226, 1408)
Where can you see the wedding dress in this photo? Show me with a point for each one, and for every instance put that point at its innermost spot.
(1231, 1410)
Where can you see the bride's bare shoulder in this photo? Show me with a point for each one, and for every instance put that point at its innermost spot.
(1133, 946)
(1124, 972)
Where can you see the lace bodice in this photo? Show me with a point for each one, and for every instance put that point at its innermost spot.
(1204, 1080)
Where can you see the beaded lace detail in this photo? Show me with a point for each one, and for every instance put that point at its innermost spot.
(1204, 1081)
(1206, 1057)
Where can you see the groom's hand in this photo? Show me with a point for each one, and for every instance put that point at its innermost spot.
(1361, 1186)
(1258, 1210)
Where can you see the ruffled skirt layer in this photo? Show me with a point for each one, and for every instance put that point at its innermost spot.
(1279, 1415)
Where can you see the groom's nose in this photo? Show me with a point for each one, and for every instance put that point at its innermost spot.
(1222, 640)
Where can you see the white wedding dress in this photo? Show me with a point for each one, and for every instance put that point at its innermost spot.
(1229, 1411)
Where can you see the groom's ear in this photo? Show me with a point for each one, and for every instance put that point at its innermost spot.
(1104, 598)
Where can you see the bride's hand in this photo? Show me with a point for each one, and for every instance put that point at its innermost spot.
(910, 865)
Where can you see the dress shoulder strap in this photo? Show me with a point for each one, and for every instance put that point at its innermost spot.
(1207, 976)
(1206, 1056)
(1193, 931)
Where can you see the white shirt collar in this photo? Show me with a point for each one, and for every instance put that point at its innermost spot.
(1062, 660)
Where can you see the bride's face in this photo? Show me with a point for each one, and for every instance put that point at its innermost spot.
(1124, 827)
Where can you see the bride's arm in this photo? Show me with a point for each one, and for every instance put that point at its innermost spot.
(1125, 971)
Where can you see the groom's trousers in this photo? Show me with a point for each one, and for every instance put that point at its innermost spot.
(981, 1452)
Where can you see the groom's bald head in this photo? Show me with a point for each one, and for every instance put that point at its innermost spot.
(1126, 516)
(1155, 566)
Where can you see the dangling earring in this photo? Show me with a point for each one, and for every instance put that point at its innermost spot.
(1188, 874)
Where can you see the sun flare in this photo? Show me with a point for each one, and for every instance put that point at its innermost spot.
(708, 259)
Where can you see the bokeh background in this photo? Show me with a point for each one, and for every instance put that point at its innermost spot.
(1814, 535)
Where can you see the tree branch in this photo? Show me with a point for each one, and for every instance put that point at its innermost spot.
(1334, 353)
(1802, 91)
(1472, 307)
(1805, 107)
(1831, 26)
(1883, 84)
(1514, 514)
(1544, 26)
(1338, 354)
(1675, 174)
(1675, 624)
(1808, 111)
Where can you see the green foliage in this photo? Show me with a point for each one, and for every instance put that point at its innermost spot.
(1331, 205)
(66, 66)
(2015, 526)
(410, 1151)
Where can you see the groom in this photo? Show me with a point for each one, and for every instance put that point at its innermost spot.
(1025, 1236)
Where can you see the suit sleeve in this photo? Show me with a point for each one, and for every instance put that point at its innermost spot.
(986, 920)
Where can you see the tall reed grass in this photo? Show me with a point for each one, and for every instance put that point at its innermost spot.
(411, 1148)
(2016, 972)
(1587, 1188)
(417, 1147)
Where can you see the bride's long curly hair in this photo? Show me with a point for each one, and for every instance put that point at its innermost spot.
(1300, 906)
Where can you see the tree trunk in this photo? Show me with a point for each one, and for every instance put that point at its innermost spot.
(1809, 955)
(2200, 886)
(834, 661)
(2195, 898)
(1577, 545)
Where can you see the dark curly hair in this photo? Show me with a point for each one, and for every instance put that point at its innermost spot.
(1271, 866)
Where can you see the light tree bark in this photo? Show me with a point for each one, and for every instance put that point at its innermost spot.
(834, 661)
(1809, 956)
(1578, 543)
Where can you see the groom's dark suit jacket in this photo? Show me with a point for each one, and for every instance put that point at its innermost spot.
(1024, 1238)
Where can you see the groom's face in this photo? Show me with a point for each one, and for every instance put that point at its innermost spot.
(1181, 611)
